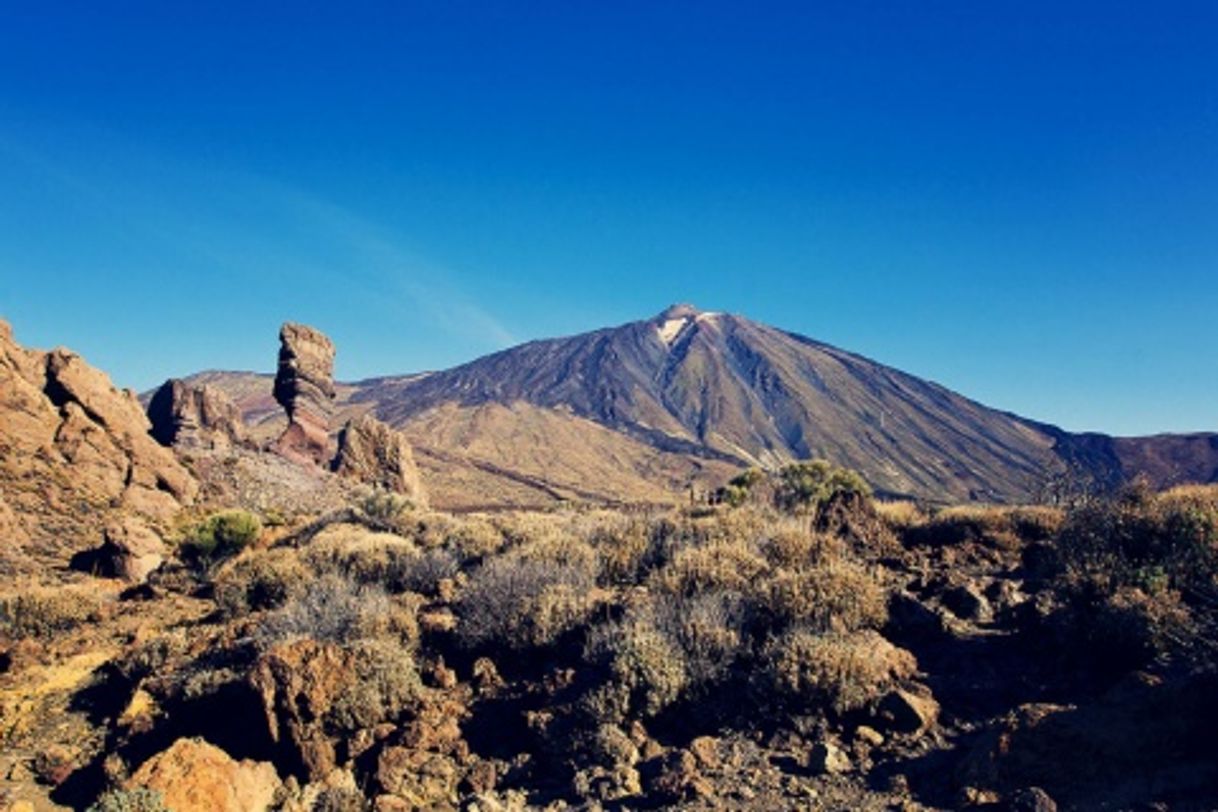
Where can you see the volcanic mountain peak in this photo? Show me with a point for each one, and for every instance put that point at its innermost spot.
(689, 395)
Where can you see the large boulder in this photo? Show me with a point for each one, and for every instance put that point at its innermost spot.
(131, 550)
(304, 387)
(374, 453)
(194, 417)
(74, 449)
(194, 776)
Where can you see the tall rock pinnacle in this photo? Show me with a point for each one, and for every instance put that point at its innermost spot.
(304, 387)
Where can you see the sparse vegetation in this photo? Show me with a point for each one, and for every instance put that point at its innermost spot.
(138, 799)
(44, 611)
(262, 580)
(220, 535)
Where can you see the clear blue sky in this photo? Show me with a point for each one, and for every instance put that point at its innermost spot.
(1016, 199)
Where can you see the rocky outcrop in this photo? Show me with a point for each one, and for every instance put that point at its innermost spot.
(131, 550)
(299, 684)
(304, 387)
(194, 417)
(194, 776)
(73, 448)
(367, 450)
(373, 453)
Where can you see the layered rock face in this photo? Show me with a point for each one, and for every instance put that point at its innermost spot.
(194, 417)
(304, 387)
(73, 448)
(373, 453)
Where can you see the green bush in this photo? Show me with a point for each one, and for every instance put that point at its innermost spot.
(384, 508)
(221, 535)
(805, 487)
(800, 488)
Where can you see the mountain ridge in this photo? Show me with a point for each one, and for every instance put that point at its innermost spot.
(720, 391)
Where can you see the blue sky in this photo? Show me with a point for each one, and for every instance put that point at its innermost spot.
(1016, 199)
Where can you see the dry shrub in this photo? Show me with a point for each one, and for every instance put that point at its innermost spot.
(135, 799)
(530, 596)
(719, 565)
(842, 672)
(333, 609)
(1036, 523)
(625, 546)
(43, 611)
(384, 559)
(386, 682)
(473, 538)
(1143, 540)
(839, 596)
(645, 669)
(340, 799)
(260, 580)
(901, 516)
(793, 545)
(708, 630)
(358, 553)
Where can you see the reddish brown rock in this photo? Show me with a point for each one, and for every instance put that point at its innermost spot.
(299, 683)
(373, 453)
(132, 551)
(304, 387)
(194, 417)
(73, 448)
(194, 776)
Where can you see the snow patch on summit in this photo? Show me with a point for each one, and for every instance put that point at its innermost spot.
(669, 330)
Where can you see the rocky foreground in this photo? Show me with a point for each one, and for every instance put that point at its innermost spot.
(744, 657)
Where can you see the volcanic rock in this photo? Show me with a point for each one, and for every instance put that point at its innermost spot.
(73, 448)
(827, 758)
(132, 551)
(373, 453)
(304, 387)
(194, 776)
(299, 683)
(908, 712)
(194, 417)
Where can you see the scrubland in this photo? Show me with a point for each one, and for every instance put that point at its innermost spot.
(796, 645)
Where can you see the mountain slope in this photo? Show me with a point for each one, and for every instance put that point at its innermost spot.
(680, 400)
(723, 387)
